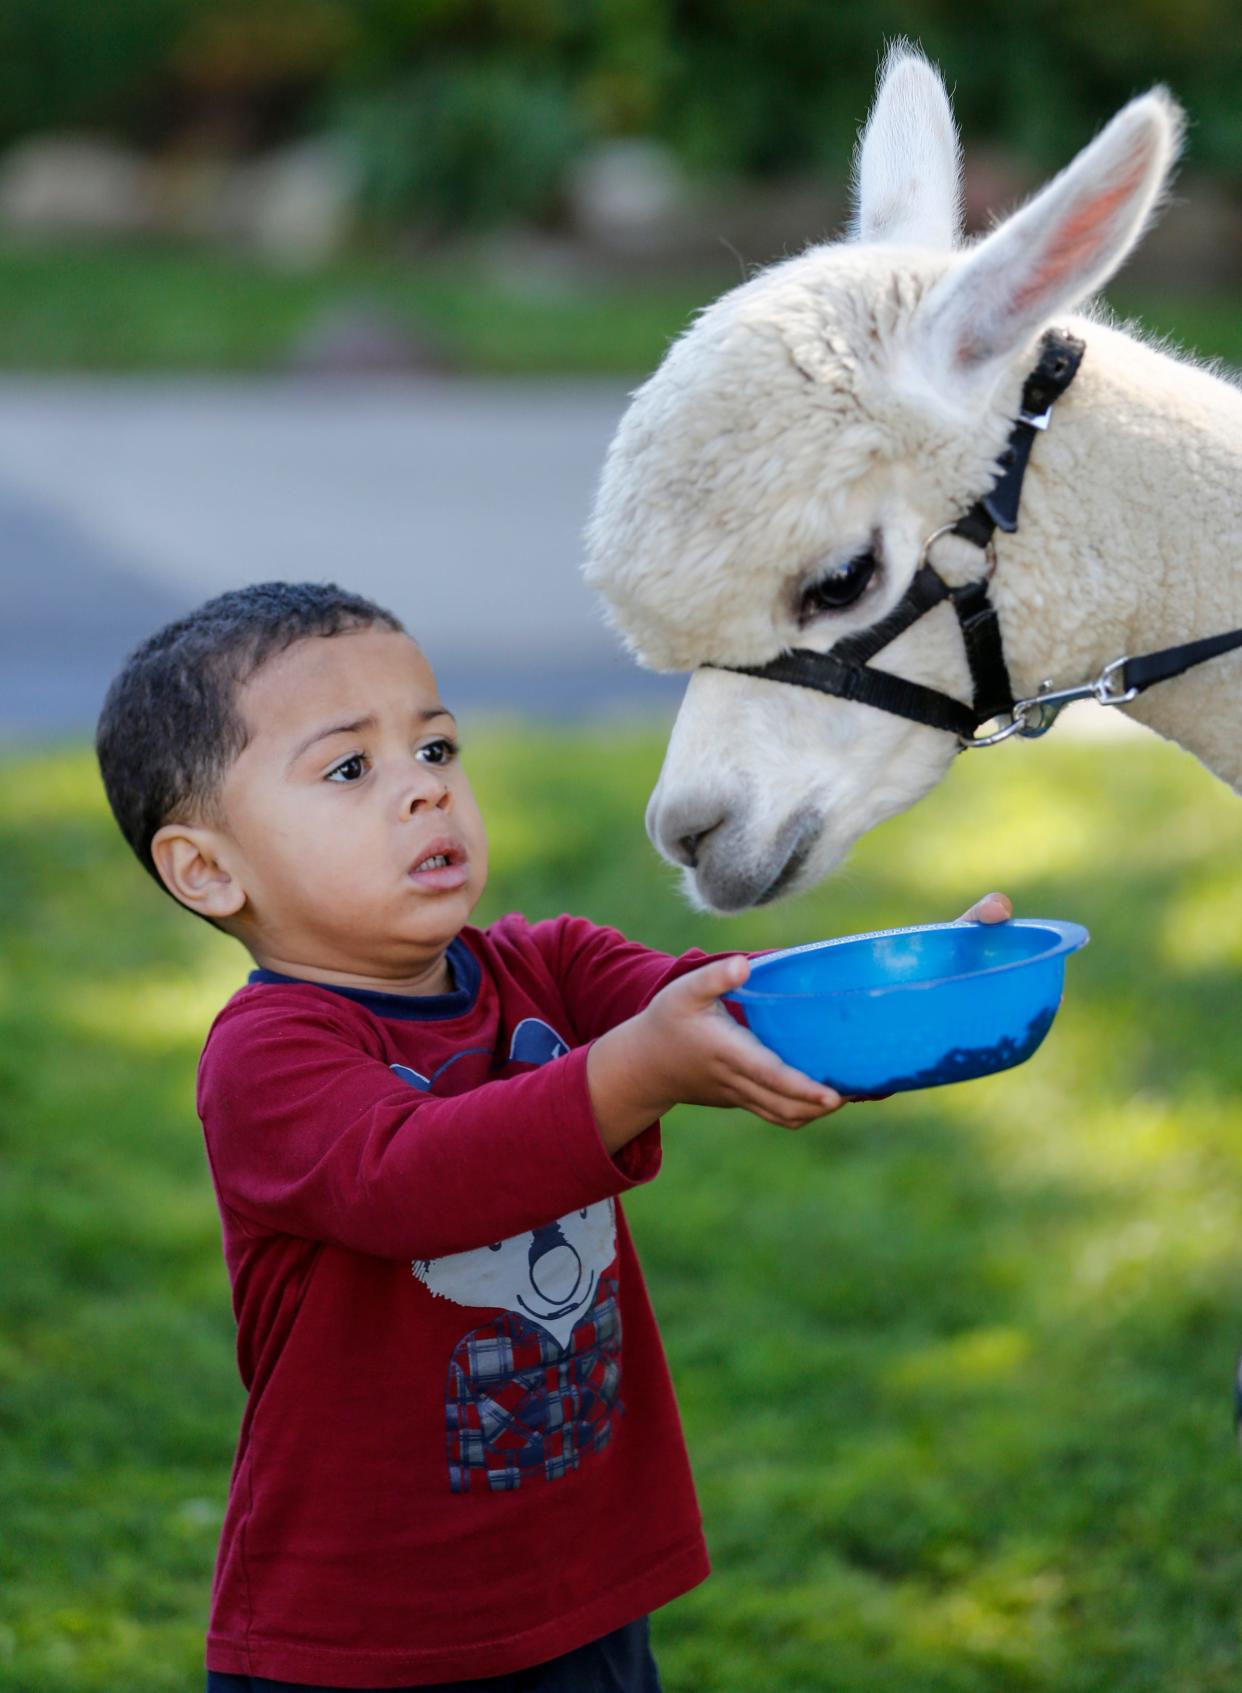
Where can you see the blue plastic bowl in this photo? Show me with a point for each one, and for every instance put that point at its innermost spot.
(911, 1008)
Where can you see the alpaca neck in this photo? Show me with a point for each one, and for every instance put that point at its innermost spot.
(1131, 540)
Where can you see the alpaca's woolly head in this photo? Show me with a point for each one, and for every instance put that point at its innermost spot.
(804, 437)
(780, 438)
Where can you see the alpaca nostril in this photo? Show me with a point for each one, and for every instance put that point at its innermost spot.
(684, 847)
(686, 850)
(678, 830)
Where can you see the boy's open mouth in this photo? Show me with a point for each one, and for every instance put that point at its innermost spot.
(443, 865)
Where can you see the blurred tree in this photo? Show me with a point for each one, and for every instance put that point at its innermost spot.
(767, 86)
(67, 65)
(243, 72)
(629, 67)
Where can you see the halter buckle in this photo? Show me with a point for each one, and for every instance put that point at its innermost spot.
(1037, 420)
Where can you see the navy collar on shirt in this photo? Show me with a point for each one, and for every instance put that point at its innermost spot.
(413, 1008)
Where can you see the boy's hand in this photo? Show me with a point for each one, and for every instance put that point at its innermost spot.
(710, 1059)
(686, 1049)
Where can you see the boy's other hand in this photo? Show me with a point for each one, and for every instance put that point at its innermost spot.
(992, 908)
(685, 1048)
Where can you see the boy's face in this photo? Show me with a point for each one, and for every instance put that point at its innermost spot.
(350, 781)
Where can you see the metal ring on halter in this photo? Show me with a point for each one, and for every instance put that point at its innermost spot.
(989, 551)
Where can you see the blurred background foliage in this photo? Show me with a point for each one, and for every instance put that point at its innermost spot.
(464, 143)
(494, 97)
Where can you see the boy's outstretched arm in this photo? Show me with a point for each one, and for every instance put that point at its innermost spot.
(685, 1048)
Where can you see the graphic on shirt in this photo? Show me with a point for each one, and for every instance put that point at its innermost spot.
(530, 1392)
(548, 1275)
(535, 1042)
(423, 1083)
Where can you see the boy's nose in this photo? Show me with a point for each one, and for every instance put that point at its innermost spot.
(427, 789)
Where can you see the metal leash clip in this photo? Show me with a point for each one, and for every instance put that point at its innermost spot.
(1039, 714)
(1032, 718)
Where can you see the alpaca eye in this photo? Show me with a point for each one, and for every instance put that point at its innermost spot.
(840, 588)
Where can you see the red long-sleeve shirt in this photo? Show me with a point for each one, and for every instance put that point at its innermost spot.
(460, 1453)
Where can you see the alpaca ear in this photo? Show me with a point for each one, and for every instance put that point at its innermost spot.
(908, 163)
(1053, 253)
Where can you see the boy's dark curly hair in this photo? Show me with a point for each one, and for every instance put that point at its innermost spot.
(170, 728)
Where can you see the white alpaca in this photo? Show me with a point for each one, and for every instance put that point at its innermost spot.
(847, 403)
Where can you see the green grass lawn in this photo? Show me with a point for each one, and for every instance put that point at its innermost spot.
(955, 1368)
(142, 308)
(182, 309)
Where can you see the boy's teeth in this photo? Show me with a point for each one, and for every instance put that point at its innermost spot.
(439, 862)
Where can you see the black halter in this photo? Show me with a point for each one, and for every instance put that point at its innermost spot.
(846, 670)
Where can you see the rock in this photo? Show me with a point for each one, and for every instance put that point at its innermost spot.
(632, 205)
(295, 205)
(75, 185)
(627, 194)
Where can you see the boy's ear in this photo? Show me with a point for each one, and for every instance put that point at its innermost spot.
(188, 860)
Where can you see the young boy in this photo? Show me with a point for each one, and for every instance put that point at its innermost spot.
(460, 1462)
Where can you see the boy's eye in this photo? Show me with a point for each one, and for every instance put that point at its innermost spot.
(350, 769)
(439, 752)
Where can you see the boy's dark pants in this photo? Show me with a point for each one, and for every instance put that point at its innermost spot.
(620, 1662)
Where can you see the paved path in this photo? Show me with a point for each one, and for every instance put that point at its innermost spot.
(459, 505)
